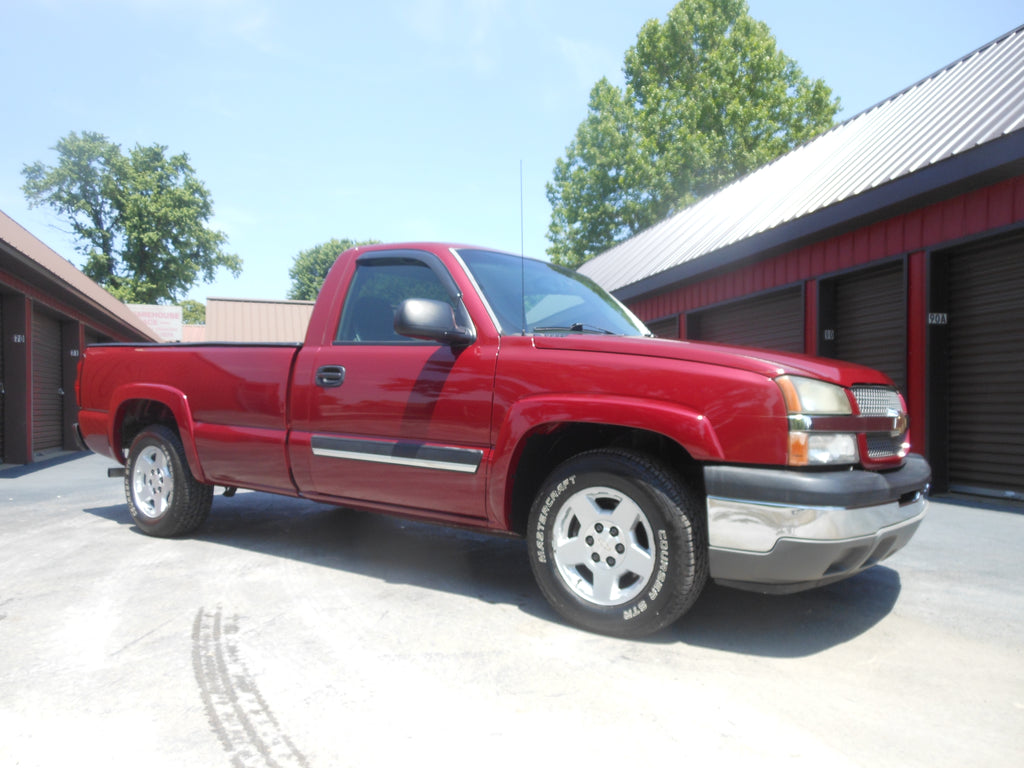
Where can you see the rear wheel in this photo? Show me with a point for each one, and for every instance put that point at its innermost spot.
(163, 497)
(618, 545)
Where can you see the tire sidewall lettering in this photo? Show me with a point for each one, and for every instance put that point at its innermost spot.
(675, 541)
(661, 572)
(647, 600)
(546, 510)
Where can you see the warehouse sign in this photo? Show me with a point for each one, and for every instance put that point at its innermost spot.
(163, 319)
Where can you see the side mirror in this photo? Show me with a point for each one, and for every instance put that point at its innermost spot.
(432, 321)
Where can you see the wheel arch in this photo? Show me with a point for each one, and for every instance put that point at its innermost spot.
(137, 408)
(547, 446)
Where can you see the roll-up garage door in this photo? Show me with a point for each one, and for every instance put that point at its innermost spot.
(871, 320)
(47, 402)
(772, 320)
(986, 368)
(666, 328)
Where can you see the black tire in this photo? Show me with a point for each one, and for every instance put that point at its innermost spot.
(617, 543)
(163, 496)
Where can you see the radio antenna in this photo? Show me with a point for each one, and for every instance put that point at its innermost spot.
(522, 245)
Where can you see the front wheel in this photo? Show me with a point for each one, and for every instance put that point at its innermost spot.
(617, 544)
(163, 496)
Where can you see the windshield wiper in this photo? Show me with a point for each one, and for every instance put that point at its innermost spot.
(574, 328)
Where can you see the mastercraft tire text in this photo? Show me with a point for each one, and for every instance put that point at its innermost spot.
(617, 543)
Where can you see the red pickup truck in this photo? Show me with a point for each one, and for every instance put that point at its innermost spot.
(475, 388)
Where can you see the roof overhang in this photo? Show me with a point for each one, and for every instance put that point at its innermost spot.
(987, 164)
(31, 265)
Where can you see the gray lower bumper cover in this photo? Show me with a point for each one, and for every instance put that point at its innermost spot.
(783, 531)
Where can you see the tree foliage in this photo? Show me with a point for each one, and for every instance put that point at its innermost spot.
(193, 312)
(310, 267)
(141, 218)
(708, 98)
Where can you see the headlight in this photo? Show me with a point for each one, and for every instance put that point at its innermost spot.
(810, 445)
(813, 396)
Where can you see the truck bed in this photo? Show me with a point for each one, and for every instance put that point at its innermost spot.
(237, 401)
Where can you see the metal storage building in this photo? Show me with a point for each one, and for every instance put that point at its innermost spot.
(256, 320)
(49, 312)
(895, 240)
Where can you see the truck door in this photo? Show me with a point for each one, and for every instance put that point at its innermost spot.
(386, 421)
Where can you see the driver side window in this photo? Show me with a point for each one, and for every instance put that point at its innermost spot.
(377, 289)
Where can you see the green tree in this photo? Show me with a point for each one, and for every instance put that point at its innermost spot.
(708, 98)
(141, 218)
(192, 312)
(310, 267)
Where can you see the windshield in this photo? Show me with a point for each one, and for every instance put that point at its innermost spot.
(557, 300)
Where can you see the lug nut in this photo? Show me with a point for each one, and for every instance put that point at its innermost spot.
(620, 548)
(614, 531)
(599, 528)
(590, 541)
(595, 557)
(610, 561)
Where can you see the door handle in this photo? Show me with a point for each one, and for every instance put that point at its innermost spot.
(328, 376)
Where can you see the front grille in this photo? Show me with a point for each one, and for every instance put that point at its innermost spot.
(876, 401)
(883, 446)
(880, 401)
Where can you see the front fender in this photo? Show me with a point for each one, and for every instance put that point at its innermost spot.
(687, 428)
(175, 401)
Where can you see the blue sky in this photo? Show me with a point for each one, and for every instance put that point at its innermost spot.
(395, 119)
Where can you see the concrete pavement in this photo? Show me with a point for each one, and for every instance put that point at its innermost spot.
(294, 634)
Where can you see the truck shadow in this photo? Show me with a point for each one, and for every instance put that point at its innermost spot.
(496, 570)
(789, 626)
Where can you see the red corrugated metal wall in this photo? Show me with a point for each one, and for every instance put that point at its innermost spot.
(974, 213)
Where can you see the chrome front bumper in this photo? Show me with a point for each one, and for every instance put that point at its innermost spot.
(784, 531)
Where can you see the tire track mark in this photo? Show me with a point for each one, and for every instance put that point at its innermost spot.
(237, 711)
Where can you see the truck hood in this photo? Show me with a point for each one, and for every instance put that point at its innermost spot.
(768, 363)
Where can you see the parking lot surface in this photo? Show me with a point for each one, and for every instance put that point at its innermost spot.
(287, 633)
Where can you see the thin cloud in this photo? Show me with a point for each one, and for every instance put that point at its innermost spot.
(468, 29)
(589, 63)
(243, 20)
